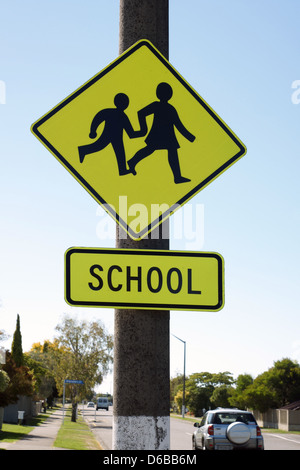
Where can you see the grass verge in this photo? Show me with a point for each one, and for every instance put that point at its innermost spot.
(192, 419)
(13, 432)
(279, 431)
(75, 436)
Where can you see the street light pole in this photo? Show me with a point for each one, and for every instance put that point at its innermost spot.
(183, 392)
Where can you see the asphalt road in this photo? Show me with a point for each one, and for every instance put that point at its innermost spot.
(281, 441)
(181, 433)
(101, 424)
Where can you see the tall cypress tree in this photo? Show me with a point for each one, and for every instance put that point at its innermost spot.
(16, 347)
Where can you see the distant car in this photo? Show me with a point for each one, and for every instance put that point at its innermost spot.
(227, 429)
(102, 403)
(90, 404)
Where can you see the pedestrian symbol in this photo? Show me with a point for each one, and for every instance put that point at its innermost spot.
(139, 139)
(162, 134)
(116, 122)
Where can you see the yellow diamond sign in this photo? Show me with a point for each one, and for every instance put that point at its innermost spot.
(139, 139)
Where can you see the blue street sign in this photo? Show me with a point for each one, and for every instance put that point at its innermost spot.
(68, 381)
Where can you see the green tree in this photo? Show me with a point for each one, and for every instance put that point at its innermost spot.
(16, 347)
(284, 379)
(259, 396)
(21, 382)
(4, 380)
(87, 356)
(238, 396)
(44, 380)
(275, 387)
(200, 388)
(176, 384)
(41, 359)
(221, 396)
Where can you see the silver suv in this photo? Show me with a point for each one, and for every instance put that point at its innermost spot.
(227, 429)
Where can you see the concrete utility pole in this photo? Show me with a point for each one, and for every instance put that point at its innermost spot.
(141, 349)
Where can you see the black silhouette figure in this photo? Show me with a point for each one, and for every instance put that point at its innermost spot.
(162, 133)
(116, 121)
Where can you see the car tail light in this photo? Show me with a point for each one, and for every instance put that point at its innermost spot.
(210, 430)
(258, 431)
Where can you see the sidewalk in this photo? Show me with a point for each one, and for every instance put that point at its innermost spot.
(41, 437)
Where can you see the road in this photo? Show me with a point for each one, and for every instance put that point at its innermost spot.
(281, 441)
(181, 433)
(101, 424)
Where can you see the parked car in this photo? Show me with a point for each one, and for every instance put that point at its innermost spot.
(227, 429)
(91, 404)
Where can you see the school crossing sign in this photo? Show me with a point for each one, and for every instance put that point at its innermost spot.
(146, 279)
(139, 139)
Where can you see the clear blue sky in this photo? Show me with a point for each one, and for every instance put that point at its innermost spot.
(242, 57)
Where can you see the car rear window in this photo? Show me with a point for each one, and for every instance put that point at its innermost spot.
(228, 418)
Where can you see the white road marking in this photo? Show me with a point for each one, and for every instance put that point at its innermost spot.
(284, 438)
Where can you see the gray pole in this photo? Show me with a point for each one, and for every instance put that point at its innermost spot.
(64, 393)
(141, 344)
(183, 390)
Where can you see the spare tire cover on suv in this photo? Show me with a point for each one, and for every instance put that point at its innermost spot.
(238, 433)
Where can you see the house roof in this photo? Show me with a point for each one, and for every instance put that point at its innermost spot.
(292, 406)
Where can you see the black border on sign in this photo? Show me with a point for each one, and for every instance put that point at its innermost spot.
(141, 305)
(90, 189)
